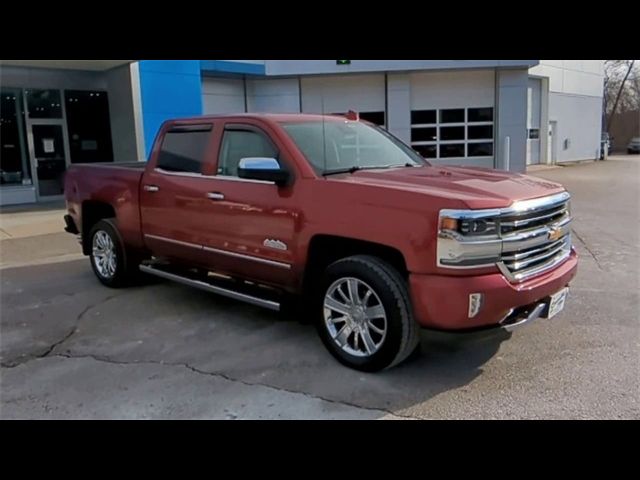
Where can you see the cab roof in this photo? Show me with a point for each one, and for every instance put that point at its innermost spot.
(274, 117)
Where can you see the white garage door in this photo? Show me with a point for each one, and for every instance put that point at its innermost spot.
(533, 121)
(222, 95)
(452, 116)
(273, 95)
(339, 94)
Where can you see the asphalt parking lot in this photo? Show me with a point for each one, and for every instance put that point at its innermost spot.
(71, 348)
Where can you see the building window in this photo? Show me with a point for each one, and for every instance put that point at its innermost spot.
(14, 163)
(44, 103)
(88, 126)
(453, 132)
(184, 148)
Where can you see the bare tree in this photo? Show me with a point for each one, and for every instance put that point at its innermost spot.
(621, 89)
(619, 94)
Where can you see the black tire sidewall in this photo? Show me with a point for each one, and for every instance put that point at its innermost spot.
(385, 286)
(120, 277)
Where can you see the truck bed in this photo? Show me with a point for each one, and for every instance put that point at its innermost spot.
(115, 184)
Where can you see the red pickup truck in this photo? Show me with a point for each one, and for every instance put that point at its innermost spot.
(335, 211)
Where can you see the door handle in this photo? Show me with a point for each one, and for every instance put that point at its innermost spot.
(151, 188)
(215, 196)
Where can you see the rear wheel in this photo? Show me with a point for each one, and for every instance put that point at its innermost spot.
(109, 259)
(365, 318)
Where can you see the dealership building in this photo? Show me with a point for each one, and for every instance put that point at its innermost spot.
(504, 114)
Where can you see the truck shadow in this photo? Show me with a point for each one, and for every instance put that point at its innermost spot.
(293, 358)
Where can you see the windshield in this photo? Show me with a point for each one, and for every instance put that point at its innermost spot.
(349, 145)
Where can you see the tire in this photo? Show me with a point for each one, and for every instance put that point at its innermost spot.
(104, 237)
(387, 308)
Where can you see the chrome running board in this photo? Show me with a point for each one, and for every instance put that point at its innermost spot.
(209, 287)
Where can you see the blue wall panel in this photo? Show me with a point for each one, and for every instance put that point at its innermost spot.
(169, 89)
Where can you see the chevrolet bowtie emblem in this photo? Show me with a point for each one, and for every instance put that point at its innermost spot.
(555, 234)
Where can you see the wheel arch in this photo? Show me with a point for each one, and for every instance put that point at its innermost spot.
(325, 249)
(92, 212)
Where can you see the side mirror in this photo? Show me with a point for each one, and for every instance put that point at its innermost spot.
(260, 168)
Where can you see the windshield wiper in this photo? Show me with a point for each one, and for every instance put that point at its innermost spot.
(355, 168)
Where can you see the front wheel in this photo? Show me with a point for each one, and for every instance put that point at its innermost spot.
(365, 317)
(108, 257)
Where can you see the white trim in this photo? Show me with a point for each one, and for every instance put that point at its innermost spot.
(246, 180)
(136, 97)
(181, 174)
(265, 261)
(248, 257)
(171, 240)
(212, 177)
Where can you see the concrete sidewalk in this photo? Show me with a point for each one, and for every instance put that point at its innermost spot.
(31, 220)
(34, 234)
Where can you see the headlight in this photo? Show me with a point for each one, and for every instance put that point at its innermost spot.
(468, 226)
(468, 238)
(479, 226)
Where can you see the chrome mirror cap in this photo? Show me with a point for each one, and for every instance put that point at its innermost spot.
(259, 163)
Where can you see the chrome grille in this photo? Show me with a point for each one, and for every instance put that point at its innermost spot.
(536, 236)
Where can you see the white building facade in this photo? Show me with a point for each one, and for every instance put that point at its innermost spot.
(492, 113)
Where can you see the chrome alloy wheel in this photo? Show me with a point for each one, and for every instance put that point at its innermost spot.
(355, 317)
(104, 254)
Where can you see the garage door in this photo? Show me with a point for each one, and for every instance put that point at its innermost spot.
(339, 94)
(223, 95)
(452, 116)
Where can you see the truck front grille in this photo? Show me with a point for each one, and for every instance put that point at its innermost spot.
(536, 236)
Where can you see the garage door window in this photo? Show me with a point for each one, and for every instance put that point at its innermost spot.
(453, 132)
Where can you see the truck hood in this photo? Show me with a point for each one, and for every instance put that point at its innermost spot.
(476, 187)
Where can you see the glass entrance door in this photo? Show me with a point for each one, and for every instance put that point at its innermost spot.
(49, 156)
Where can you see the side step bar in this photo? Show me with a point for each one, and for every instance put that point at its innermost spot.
(225, 292)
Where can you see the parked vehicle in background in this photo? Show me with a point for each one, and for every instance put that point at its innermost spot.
(634, 145)
(338, 212)
(605, 145)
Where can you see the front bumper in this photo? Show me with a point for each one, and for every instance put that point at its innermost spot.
(442, 302)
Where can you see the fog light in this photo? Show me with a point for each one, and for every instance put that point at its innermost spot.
(475, 303)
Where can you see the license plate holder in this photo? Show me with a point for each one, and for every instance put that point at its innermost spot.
(556, 302)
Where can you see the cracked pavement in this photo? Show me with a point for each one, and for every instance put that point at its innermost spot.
(71, 348)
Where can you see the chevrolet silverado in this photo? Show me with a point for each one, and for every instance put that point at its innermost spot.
(338, 212)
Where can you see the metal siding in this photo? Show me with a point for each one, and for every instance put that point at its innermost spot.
(275, 95)
(223, 95)
(579, 121)
(332, 94)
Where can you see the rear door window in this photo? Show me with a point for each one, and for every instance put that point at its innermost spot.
(184, 149)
